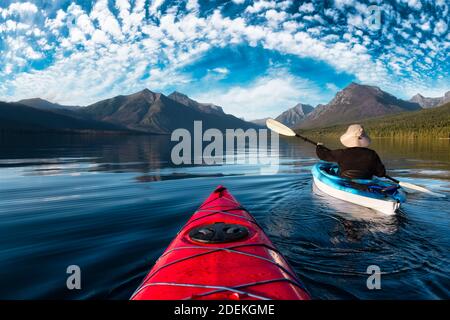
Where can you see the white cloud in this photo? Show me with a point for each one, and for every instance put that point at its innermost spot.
(415, 4)
(131, 18)
(192, 5)
(332, 87)
(124, 7)
(82, 24)
(268, 95)
(82, 78)
(30, 53)
(355, 20)
(260, 5)
(238, 1)
(221, 70)
(8, 68)
(19, 8)
(306, 7)
(334, 14)
(341, 4)
(153, 9)
(108, 23)
(57, 22)
(100, 37)
(425, 26)
(440, 28)
(274, 18)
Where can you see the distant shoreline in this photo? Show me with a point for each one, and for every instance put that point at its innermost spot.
(318, 133)
(79, 132)
(396, 135)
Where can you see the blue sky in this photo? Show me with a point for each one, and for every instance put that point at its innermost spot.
(254, 58)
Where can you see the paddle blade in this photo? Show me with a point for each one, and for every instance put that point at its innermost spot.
(279, 128)
(421, 189)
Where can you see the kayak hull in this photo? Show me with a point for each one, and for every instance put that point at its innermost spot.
(248, 268)
(326, 179)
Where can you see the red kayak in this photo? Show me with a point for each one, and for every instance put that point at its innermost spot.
(221, 254)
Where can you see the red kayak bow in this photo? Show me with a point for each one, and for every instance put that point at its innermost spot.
(221, 254)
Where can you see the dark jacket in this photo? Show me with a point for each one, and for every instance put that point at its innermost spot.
(362, 163)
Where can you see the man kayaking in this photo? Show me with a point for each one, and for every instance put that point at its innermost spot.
(356, 161)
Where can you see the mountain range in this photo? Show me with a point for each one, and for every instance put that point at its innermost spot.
(21, 118)
(141, 112)
(202, 107)
(425, 102)
(152, 112)
(354, 103)
(42, 104)
(294, 116)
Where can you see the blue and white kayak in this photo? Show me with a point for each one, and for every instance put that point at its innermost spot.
(380, 195)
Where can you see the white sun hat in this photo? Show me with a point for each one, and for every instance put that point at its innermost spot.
(355, 136)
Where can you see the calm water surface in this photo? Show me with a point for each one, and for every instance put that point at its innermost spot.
(112, 204)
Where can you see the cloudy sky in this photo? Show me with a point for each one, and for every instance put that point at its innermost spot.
(254, 58)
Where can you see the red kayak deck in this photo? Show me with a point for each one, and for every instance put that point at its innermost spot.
(221, 254)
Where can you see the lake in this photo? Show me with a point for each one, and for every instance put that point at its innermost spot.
(111, 205)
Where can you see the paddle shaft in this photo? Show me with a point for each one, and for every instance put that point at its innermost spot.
(392, 179)
(309, 140)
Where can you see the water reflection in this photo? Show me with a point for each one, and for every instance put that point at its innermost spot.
(150, 153)
(357, 221)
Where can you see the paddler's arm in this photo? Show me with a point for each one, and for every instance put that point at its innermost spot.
(325, 154)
